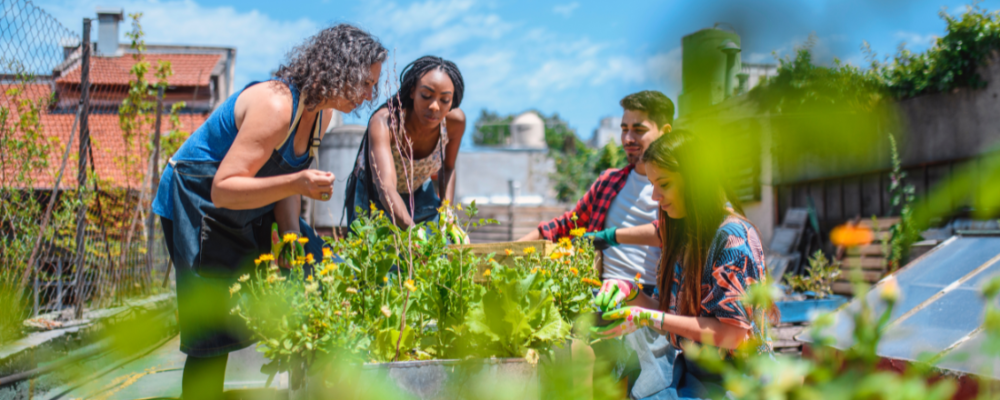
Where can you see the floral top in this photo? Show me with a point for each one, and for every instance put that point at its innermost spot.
(420, 170)
(737, 260)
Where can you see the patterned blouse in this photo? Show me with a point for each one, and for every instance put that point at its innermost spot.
(420, 170)
(737, 259)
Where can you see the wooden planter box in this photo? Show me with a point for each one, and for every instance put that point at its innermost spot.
(804, 310)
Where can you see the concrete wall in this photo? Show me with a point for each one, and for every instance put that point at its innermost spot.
(485, 173)
(960, 124)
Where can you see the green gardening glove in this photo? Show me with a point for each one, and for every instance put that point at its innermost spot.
(603, 239)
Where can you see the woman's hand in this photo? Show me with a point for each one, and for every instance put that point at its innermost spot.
(315, 184)
(628, 320)
(615, 292)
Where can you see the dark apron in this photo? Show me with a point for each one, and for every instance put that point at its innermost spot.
(213, 247)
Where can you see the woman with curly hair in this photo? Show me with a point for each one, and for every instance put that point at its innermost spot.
(246, 166)
(414, 135)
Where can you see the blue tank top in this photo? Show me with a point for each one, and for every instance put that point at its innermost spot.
(212, 140)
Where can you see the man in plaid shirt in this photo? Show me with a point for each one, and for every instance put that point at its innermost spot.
(647, 115)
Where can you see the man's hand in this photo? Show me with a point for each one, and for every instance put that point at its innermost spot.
(615, 292)
(603, 239)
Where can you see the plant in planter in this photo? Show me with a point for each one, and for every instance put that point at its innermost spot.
(394, 294)
(813, 292)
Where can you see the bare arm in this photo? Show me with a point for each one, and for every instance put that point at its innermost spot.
(645, 235)
(384, 172)
(263, 113)
(533, 235)
(446, 176)
(702, 329)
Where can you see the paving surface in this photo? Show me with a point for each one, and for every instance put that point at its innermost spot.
(158, 375)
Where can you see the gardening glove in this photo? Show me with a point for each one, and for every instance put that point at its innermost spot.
(628, 320)
(615, 292)
(603, 239)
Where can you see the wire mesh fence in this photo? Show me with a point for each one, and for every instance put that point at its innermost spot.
(75, 188)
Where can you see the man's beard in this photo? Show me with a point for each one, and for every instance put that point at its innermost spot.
(632, 159)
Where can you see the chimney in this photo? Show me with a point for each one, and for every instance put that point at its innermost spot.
(107, 31)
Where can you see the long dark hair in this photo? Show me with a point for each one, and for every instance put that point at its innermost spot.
(415, 70)
(335, 61)
(688, 240)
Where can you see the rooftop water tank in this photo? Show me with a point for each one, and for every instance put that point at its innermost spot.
(527, 131)
(710, 62)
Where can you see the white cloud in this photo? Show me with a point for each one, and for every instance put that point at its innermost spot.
(917, 40)
(566, 10)
(261, 41)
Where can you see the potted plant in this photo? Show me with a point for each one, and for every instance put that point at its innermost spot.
(394, 299)
(808, 295)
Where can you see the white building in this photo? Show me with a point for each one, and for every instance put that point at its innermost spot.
(609, 130)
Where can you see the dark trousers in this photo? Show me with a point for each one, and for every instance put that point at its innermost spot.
(204, 377)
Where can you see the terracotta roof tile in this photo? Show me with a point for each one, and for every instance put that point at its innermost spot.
(116, 163)
(189, 69)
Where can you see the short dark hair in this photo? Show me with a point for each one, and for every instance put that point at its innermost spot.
(415, 70)
(335, 62)
(657, 105)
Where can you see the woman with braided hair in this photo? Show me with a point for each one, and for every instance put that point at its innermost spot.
(415, 135)
(246, 167)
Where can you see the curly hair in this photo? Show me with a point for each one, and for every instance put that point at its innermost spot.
(417, 69)
(334, 62)
(657, 105)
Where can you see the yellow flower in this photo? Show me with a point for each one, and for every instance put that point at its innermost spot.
(256, 262)
(445, 203)
(322, 271)
(235, 288)
(638, 276)
(491, 260)
(352, 290)
(591, 282)
(458, 206)
(267, 257)
(309, 278)
(508, 251)
(564, 242)
(372, 207)
(578, 232)
(309, 258)
(574, 271)
(244, 277)
(385, 279)
(556, 255)
(290, 237)
(409, 285)
(529, 250)
(303, 240)
(533, 270)
(487, 272)
(639, 285)
(327, 253)
(573, 216)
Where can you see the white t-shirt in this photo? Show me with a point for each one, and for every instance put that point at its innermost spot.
(633, 206)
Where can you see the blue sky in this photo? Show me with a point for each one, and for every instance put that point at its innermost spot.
(574, 58)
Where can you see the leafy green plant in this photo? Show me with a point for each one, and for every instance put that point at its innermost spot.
(903, 234)
(819, 278)
(394, 294)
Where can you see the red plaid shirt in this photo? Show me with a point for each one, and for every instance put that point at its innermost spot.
(592, 209)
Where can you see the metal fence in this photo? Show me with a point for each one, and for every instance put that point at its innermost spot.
(75, 190)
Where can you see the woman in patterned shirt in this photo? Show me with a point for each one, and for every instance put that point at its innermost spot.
(415, 135)
(710, 256)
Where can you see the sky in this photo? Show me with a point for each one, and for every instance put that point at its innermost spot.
(574, 58)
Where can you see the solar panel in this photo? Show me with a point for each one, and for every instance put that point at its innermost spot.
(967, 357)
(940, 303)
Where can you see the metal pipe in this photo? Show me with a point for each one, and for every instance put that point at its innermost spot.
(81, 172)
